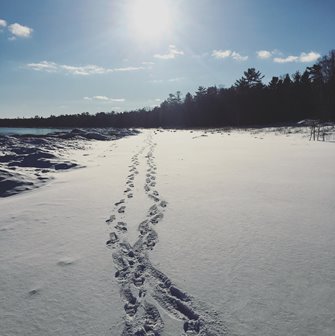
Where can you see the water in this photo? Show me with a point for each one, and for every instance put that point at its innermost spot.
(24, 131)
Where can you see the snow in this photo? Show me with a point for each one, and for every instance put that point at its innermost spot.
(28, 161)
(251, 223)
(209, 233)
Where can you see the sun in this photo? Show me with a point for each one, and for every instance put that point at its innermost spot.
(150, 19)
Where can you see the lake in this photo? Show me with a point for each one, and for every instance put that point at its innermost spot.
(32, 131)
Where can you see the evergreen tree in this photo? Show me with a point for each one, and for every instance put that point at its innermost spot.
(251, 79)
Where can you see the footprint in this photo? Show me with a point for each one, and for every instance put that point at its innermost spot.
(143, 227)
(65, 262)
(119, 202)
(138, 282)
(34, 291)
(151, 239)
(156, 218)
(110, 219)
(121, 226)
(156, 199)
(113, 239)
(121, 209)
(192, 327)
(130, 195)
(130, 309)
(153, 210)
(152, 321)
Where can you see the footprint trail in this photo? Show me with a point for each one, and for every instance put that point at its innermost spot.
(146, 291)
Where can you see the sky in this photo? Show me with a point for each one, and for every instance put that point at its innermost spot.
(73, 56)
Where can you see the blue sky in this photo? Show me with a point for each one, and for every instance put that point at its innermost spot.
(72, 56)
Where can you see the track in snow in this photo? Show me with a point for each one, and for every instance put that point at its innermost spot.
(140, 282)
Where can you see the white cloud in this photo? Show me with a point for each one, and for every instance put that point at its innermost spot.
(3, 23)
(222, 54)
(126, 69)
(171, 54)
(43, 66)
(309, 57)
(104, 99)
(78, 70)
(287, 59)
(264, 54)
(303, 58)
(237, 57)
(83, 70)
(18, 30)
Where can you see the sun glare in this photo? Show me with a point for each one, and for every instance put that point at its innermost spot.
(150, 19)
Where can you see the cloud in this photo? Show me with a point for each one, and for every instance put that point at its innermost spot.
(222, 54)
(3, 23)
(303, 58)
(104, 99)
(171, 54)
(43, 66)
(83, 70)
(264, 54)
(125, 69)
(309, 57)
(237, 57)
(287, 59)
(86, 70)
(18, 30)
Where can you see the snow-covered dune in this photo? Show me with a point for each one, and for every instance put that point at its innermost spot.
(29, 161)
(172, 233)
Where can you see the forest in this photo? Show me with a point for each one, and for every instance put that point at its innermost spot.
(249, 102)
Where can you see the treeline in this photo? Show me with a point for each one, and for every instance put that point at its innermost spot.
(285, 99)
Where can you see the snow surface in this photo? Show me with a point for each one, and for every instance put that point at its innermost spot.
(28, 161)
(209, 233)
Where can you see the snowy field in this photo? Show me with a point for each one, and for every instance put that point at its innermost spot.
(175, 233)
